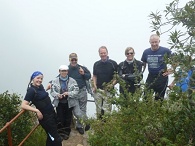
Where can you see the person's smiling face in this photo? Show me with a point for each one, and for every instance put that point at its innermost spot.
(130, 55)
(63, 73)
(37, 81)
(154, 42)
(73, 62)
(103, 54)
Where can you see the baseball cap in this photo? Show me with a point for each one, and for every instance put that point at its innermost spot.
(63, 67)
(73, 55)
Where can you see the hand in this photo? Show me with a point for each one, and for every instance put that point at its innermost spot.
(94, 89)
(60, 96)
(65, 94)
(39, 115)
(171, 86)
(81, 71)
(109, 87)
(166, 73)
(48, 87)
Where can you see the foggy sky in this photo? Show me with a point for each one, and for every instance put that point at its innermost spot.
(40, 35)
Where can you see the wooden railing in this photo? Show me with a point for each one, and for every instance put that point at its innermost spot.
(8, 128)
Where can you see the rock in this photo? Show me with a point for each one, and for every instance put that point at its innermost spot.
(76, 139)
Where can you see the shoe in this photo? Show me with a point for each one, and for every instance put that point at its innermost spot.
(80, 130)
(87, 127)
(64, 136)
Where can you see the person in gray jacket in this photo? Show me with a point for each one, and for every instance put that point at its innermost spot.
(63, 90)
(81, 74)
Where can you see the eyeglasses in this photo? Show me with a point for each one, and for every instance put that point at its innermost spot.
(73, 59)
(64, 70)
(130, 53)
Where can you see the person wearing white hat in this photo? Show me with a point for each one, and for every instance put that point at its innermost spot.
(63, 90)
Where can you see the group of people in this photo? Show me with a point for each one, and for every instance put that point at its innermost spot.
(69, 88)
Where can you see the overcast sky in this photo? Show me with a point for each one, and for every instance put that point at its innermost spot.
(40, 35)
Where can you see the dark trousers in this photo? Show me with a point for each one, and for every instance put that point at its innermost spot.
(158, 83)
(64, 114)
(49, 124)
(129, 87)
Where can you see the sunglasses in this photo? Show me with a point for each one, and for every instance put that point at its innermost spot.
(73, 59)
(130, 53)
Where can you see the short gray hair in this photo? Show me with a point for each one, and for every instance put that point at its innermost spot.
(103, 47)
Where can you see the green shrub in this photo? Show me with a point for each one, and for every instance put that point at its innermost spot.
(9, 108)
(38, 138)
(147, 122)
(168, 122)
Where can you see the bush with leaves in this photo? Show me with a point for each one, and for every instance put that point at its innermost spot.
(38, 138)
(144, 121)
(140, 121)
(9, 108)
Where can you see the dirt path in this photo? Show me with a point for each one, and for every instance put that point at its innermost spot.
(76, 139)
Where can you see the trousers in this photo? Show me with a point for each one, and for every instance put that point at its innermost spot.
(49, 124)
(64, 114)
(158, 83)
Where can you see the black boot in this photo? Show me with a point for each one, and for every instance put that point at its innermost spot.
(80, 130)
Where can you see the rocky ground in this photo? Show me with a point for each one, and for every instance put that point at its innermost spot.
(76, 139)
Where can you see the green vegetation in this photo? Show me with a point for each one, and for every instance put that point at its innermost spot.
(38, 138)
(150, 122)
(138, 121)
(9, 108)
(145, 122)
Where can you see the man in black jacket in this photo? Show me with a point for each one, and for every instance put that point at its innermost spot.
(103, 79)
(130, 71)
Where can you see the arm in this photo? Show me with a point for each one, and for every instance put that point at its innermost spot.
(169, 67)
(73, 88)
(25, 105)
(48, 87)
(114, 81)
(140, 73)
(94, 78)
(120, 72)
(172, 84)
(135, 75)
(55, 90)
(85, 72)
(144, 67)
